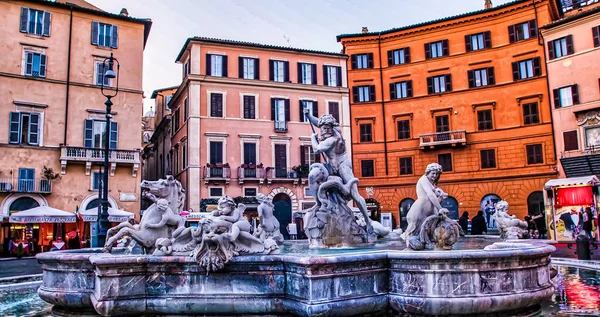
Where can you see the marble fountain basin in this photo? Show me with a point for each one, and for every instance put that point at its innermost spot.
(303, 282)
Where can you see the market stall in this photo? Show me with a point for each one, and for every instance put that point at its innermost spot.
(570, 204)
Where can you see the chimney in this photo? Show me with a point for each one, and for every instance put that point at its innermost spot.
(488, 4)
(124, 12)
(365, 30)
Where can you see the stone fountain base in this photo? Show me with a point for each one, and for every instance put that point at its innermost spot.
(345, 283)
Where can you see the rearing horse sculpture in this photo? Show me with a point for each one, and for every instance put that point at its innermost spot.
(169, 189)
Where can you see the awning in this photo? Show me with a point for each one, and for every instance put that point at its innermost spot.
(42, 214)
(573, 181)
(114, 215)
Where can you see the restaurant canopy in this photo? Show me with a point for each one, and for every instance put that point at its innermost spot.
(114, 215)
(573, 181)
(42, 214)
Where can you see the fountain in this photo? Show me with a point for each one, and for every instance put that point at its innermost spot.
(220, 268)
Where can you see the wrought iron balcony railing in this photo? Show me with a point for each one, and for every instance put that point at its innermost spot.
(15, 185)
(280, 126)
(216, 173)
(251, 173)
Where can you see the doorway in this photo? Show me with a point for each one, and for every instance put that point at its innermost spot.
(283, 212)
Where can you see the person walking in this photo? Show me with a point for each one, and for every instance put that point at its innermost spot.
(463, 221)
(478, 225)
(530, 225)
(540, 224)
(587, 223)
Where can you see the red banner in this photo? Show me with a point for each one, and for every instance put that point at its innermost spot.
(574, 196)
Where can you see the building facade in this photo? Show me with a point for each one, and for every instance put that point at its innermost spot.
(238, 127)
(53, 109)
(573, 49)
(469, 92)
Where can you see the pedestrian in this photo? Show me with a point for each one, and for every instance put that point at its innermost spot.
(11, 246)
(587, 223)
(74, 242)
(530, 225)
(478, 225)
(463, 221)
(540, 224)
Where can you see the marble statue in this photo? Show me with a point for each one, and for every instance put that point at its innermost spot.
(169, 189)
(439, 232)
(510, 226)
(269, 225)
(331, 223)
(159, 221)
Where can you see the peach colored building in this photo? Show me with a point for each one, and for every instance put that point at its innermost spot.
(52, 109)
(237, 121)
(573, 51)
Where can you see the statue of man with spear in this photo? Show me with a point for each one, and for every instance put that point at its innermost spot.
(333, 147)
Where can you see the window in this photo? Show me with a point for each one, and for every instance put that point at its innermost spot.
(216, 152)
(480, 41)
(186, 68)
(596, 35)
(307, 192)
(484, 120)
(249, 107)
(406, 166)
(26, 180)
(216, 105)
(366, 132)
(185, 109)
(566, 96)
(442, 124)
(280, 160)
(280, 113)
(332, 76)
(96, 180)
(176, 120)
(522, 31)
(216, 65)
(25, 128)
(176, 159)
(308, 156)
(361, 61)
(481, 77)
(363, 93)
(279, 71)
(35, 22)
(249, 153)
(571, 141)
(334, 110)
(95, 134)
(307, 74)
(534, 154)
(367, 169)
(488, 158)
(561, 47)
(531, 113)
(105, 35)
(403, 129)
(35, 64)
(400, 56)
(249, 68)
(445, 160)
(167, 100)
(308, 104)
(183, 156)
(526, 69)
(401, 90)
(250, 191)
(439, 84)
(436, 49)
(101, 69)
(215, 192)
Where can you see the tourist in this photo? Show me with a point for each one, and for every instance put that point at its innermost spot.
(478, 225)
(540, 224)
(530, 225)
(11, 246)
(587, 222)
(463, 221)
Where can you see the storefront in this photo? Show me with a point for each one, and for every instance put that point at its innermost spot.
(570, 202)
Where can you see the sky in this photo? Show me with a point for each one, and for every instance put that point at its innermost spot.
(309, 24)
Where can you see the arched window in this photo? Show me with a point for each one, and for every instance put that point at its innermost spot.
(535, 203)
(451, 204)
(404, 206)
(488, 205)
(23, 203)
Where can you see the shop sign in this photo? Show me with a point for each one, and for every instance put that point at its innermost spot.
(127, 196)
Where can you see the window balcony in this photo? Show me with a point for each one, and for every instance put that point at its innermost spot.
(246, 174)
(282, 175)
(15, 185)
(581, 162)
(281, 126)
(217, 173)
(439, 139)
(95, 155)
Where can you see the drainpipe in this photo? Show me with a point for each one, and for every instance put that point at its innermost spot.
(541, 36)
(385, 151)
(68, 77)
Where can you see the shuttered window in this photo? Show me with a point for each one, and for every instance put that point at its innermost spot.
(526, 68)
(249, 68)
(100, 70)
(399, 56)
(332, 76)
(334, 110)
(439, 84)
(566, 96)
(522, 31)
(249, 107)
(534, 154)
(406, 166)
(216, 105)
(484, 120)
(531, 113)
(313, 107)
(479, 41)
(561, 47)
(571, 140)
(106, 35)
(366, 132)
(363, 93)
(279, 71)
(35, 64)
(35, 22)
(445, 160)
(481, 77)
(361, 61)
(94, 134)
(401, 90)
(307, 74)
(437, 49)
(367, 168)
(488, 158)
(24, 128)
(216, 65)
(403, 129)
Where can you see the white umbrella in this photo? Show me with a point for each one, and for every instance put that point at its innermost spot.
(114, 215)
(43, 214)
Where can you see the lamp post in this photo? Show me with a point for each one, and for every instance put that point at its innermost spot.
(110, 74)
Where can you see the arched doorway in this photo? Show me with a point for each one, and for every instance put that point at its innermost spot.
(404, 206)
(451, 204)
(283, 212)
(535, 203)
(22, 203)
(488, 205)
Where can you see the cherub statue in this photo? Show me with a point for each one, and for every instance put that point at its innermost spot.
(228, 212)
(510, 226)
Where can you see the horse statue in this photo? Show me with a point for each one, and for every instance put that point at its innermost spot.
(169, 189)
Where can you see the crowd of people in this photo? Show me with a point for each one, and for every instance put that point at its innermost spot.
(19, 247)
(479, 224)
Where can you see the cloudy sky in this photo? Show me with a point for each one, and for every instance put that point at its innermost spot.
(311, 24)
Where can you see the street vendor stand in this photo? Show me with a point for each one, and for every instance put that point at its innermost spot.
(565, 200)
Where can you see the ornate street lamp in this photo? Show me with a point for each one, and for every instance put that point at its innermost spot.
(109, 93)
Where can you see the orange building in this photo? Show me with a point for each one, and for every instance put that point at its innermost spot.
(52, 113)
(469, 92)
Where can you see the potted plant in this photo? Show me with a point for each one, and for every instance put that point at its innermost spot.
(208, 165)
(48, 175)
(260, 165)
(294, 172)
(244, 166)
(226, 165)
